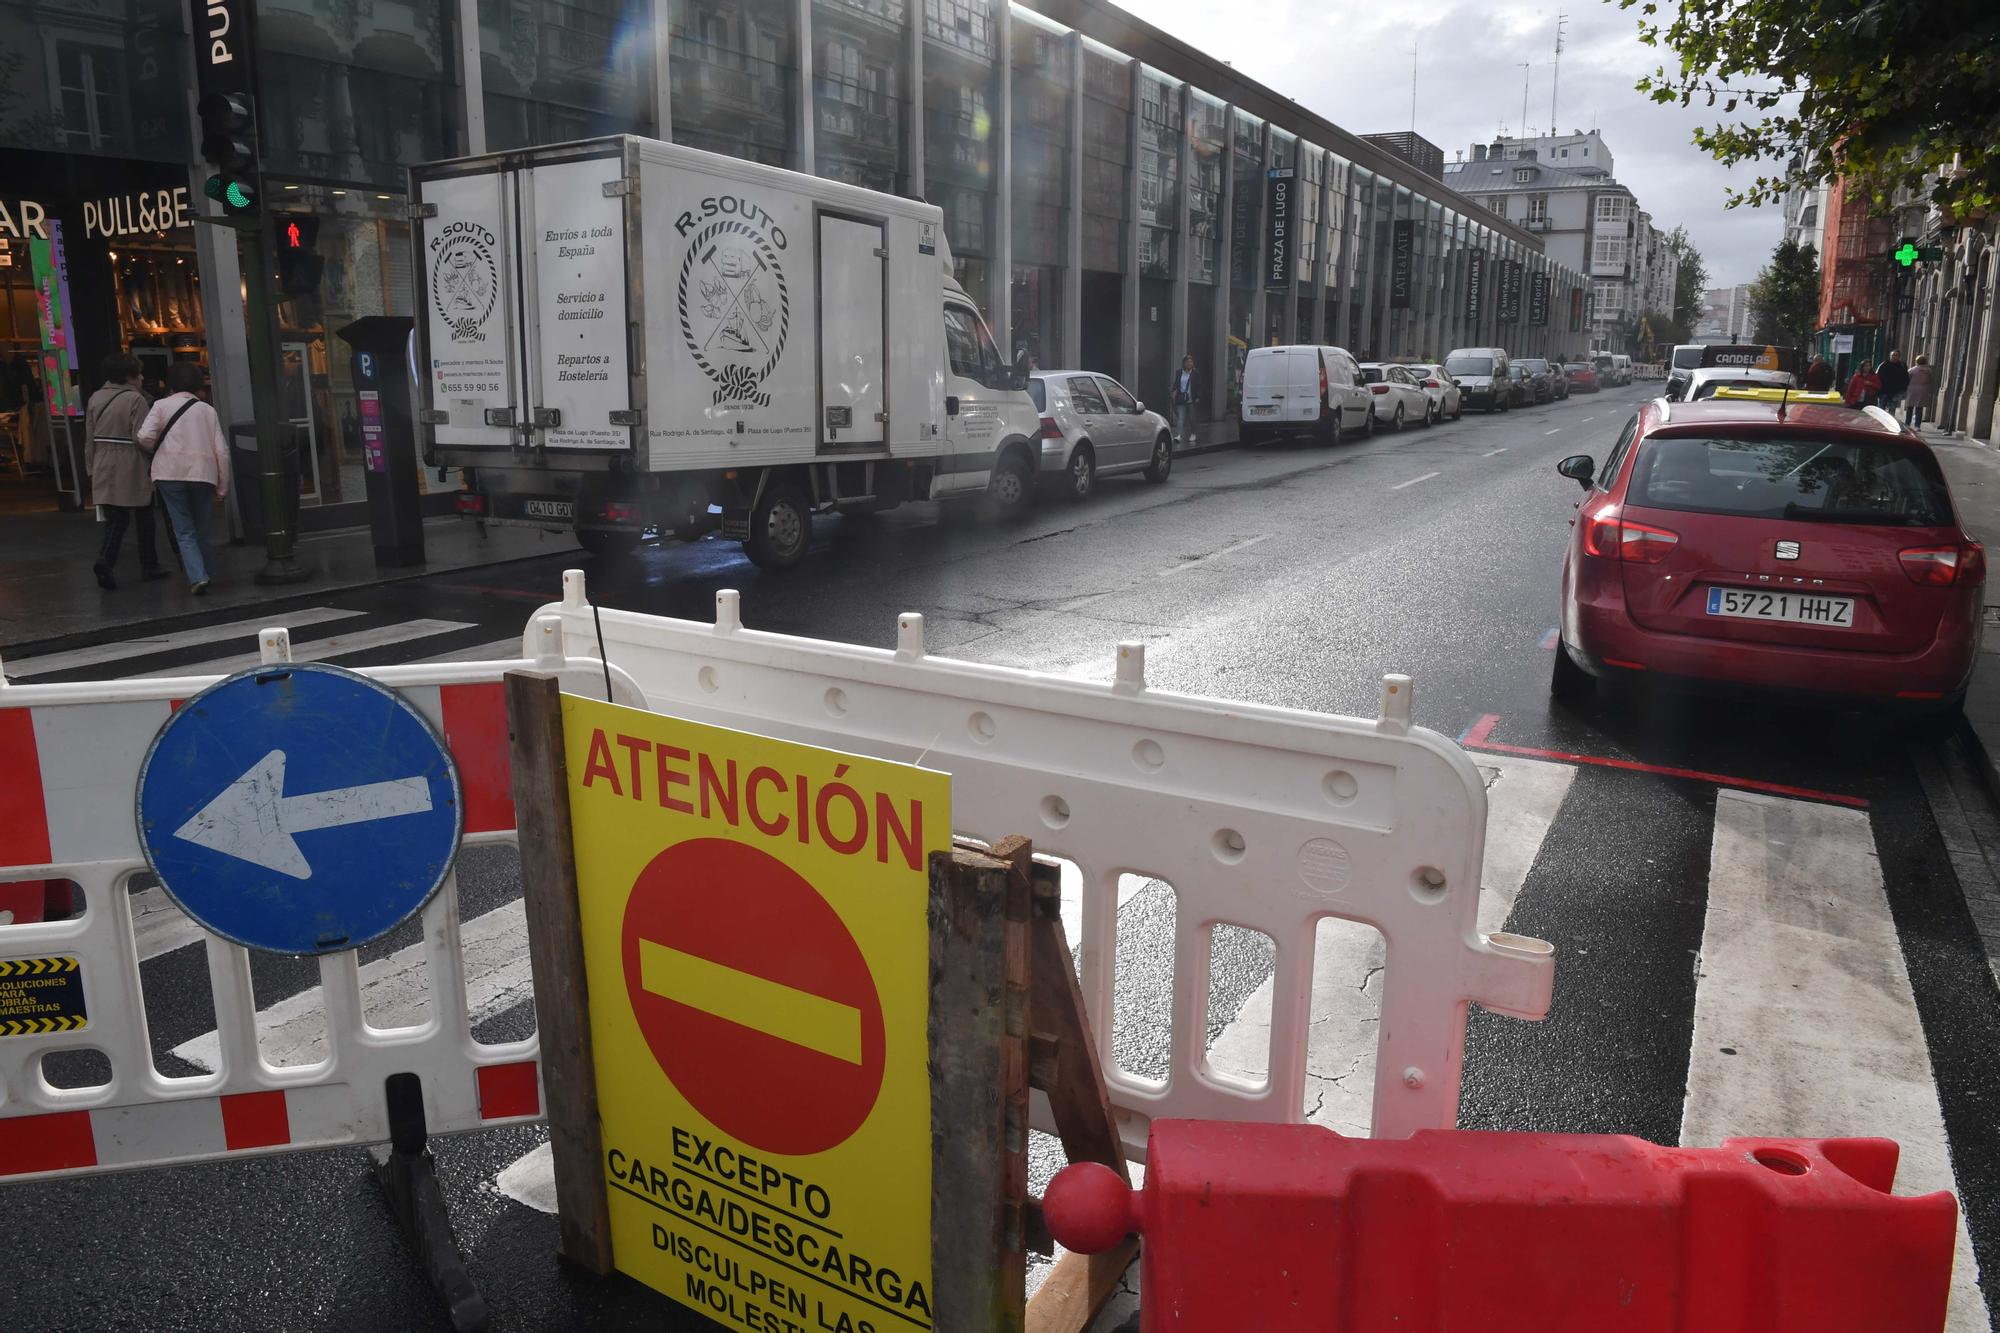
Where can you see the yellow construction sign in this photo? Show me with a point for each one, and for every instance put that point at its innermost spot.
(756, 947)
(41, 995)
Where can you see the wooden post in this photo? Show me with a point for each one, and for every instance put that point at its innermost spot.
(555, 952)
(979, 1092)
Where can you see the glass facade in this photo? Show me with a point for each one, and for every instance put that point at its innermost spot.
(1105, 213)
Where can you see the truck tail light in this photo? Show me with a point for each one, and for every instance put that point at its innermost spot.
(1322, 383)
(1941, 566)
(470, 502)
(1610, 537)
(1050, 430)
(617, 511)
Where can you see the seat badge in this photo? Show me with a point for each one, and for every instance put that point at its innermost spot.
(1787, 551)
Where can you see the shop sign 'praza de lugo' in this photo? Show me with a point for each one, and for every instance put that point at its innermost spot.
(754, 936)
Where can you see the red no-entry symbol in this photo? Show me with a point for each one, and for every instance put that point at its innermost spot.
(753, 996)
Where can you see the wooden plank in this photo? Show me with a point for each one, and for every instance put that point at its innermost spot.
(555, 952)
(979, 1092)
(1077, 1288)
(1078, 1097)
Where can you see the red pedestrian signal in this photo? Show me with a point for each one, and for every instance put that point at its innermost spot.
(292, 235)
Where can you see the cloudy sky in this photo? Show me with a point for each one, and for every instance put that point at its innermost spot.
(1350, 62)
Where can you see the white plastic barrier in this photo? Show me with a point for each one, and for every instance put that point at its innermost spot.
(70, 757)
(1265, 818)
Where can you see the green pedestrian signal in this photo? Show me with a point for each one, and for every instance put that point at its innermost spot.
(1906, 254)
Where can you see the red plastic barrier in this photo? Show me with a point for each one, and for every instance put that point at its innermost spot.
(1293, 1228)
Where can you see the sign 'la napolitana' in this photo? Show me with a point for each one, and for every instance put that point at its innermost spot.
(756, 947)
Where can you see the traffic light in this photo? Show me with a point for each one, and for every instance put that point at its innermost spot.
(228, 143)
(300, 264)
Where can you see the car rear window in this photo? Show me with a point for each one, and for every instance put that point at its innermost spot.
(1470, 365)
(1793, 477)
(1532, 365)
(1371, 374)
(1040, 393)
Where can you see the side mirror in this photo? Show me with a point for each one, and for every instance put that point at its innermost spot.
(1138, 406)
(1579, 468)
(1022, 364)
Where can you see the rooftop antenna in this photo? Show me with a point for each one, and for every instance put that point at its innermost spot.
(1562, 22)
(1413, 85)
(1526, 70)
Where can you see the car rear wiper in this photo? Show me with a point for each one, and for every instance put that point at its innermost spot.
(1877, 517)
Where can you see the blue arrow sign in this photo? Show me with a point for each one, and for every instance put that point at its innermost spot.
(299, 809)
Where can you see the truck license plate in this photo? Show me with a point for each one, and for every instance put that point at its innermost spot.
(548, 508)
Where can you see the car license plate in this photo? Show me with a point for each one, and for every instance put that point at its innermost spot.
(1797, 607)
(548, 509)
(1263, 409)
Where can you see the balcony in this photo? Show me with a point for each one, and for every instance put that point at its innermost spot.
(1537, 224)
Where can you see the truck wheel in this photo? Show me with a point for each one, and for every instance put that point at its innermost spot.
(607, 545)
(780, 528)
(1011, 491)
(1163, 459)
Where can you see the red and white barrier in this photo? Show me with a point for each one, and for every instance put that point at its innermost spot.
(71, 754)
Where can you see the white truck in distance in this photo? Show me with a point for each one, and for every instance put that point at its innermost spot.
(621, 336)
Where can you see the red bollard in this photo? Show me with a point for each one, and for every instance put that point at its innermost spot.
(1296, 1229)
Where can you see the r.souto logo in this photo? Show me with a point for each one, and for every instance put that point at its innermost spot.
(734, 306)
(464, 280)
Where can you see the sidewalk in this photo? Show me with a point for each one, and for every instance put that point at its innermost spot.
(49, 591)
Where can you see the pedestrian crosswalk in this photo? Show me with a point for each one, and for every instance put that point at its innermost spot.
(345, 636)
(1802, 1019)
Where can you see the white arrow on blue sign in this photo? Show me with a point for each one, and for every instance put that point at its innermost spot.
(299, 809)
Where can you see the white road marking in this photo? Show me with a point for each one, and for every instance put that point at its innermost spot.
(1186, 565)
(500, 650)
(1557, 431)
(1798, 934)
(160, 926)
(1490, 452)
(1414, 480)
(1523, 796)
(166, 643)
(395, 992)
(332, 646)
(1588, 420)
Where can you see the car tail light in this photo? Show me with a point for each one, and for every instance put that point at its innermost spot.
(619, 512)
(1941, 566)
(1378, 388)
(469, 502)
(1432, 384)
(1050, 430)
(1607, 535)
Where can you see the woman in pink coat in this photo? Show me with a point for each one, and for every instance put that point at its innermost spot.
(1922, 378)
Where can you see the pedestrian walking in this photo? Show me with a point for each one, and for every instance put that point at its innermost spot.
(1895, 377)
(1861, 389)
(1186, 390)
(1918, 396)
(120, 468)
(190, 465)
(1819, 376)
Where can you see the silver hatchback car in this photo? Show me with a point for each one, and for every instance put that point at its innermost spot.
(1091, 426)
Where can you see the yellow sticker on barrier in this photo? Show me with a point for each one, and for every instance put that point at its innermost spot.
(41, 995)
(755, 942)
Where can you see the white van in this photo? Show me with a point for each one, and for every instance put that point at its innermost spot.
(1482, 376)
(1621, 367)
(1316, 391)
(626, 337)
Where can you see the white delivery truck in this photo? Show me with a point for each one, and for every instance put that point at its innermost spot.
(621, 336)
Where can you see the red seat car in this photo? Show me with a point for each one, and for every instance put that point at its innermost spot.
(1582, 377)
(1810, 548)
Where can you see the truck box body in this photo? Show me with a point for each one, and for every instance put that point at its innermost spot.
(673, 310)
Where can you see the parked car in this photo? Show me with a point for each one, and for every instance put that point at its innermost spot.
(1447, 399)
(1788, 547)
(1621, 367)
(1581, 376)
(1303, 390)
(1399, 395)
(1481, 373)
(1548, 374)
(1092, 427)
(1526, 390)
(1703, 383)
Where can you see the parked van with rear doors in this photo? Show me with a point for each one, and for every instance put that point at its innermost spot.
(1316, 391)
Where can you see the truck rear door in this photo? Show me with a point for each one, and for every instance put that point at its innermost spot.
(853, 313)
(466, 242)
(579, 340)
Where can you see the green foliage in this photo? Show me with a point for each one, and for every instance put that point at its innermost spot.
(1882, 92)
(1784, 301)
(1690, 280)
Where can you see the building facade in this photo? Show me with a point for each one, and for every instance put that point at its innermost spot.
(1112, 196)
(1725, 315)
(1561, 188)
